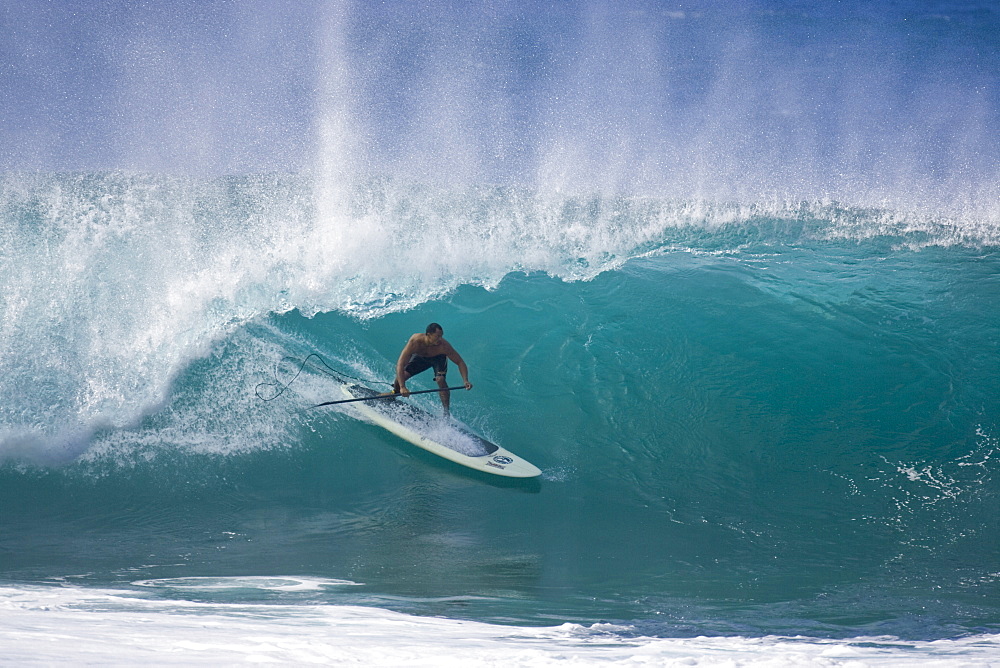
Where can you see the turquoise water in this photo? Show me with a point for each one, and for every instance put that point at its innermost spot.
(737, 298)
(780, 424)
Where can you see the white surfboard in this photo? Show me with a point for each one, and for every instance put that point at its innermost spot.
(445, 438)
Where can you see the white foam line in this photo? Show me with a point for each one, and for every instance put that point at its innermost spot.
(268, 583)
(68, 625)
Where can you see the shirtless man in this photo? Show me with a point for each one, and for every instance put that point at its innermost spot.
(425, 351)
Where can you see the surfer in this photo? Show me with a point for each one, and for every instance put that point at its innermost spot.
(429, 351)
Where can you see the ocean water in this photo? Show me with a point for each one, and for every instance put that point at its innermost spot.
(728, 274)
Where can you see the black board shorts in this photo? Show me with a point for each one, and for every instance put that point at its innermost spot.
(418, 364)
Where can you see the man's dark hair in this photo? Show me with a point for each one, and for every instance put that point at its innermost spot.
(434, 327)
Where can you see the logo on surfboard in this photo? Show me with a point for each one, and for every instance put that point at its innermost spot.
(500, 459)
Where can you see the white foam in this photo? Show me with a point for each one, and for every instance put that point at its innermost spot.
(281, 584)
(59, 625)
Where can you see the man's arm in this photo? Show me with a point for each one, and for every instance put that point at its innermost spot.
(404, 357)
(460, 363)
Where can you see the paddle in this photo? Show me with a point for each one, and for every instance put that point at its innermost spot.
(387, 394)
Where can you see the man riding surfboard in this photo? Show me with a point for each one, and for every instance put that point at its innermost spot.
(429, 351)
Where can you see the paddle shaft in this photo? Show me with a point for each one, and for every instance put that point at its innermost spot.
(387, 394)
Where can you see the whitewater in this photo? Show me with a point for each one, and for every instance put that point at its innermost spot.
(728, 274)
